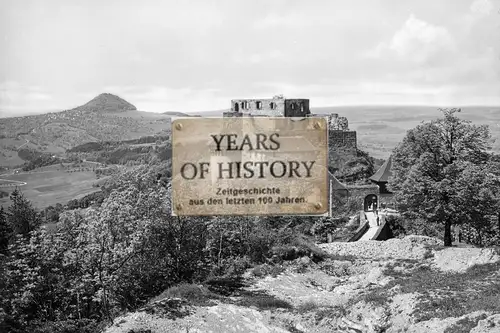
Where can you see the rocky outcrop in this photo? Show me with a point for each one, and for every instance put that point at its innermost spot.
(365, 287)
(461, 259)
(411, 247)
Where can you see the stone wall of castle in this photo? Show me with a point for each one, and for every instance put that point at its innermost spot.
(359, 192)
(343, 141)
(337, 123)
(274, 107)
(270, 107)
(340, 138)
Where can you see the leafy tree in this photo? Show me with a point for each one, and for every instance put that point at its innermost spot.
(22, 216)
(477, 193)
(428, 163)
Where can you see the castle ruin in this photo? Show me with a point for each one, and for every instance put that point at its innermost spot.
(341, 140)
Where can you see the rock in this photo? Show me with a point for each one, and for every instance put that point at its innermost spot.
(411, 247)
(306, 261)
(437, 325)
(373, 318)
(424, 240)
(168, 307)
(461, 259)
(219, 318)
(489, 325)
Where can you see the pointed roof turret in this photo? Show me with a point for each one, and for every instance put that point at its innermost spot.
(384, 173)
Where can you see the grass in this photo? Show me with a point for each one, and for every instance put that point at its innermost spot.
(220, 289)
(52, 187)
(262, 301)
(444, 294)
(435, 248)
(263, 270)
(225, 286)
(194, 294)
(464, 325)
(329, 312)
(307, 307)
(379, 297)
(298, 247)
(338, 257)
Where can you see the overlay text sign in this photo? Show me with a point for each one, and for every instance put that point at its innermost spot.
(250, 166)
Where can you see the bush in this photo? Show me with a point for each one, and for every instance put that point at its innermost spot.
(299, 246)
(307, 307)
(66, 326)
(263, 270)
(225, 286)
(263, 301)
(402, 226)
(194, 294)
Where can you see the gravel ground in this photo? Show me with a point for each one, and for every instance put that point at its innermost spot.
(460, 259)
(410, 247)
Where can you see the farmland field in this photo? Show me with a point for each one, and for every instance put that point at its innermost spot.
(51, 187)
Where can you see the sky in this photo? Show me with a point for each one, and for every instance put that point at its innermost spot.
(195, 55)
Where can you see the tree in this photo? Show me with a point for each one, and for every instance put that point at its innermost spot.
(5, 231)
(478, 195)
(22, 217)
(427, 164)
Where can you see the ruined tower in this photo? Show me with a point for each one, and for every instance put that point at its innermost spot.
(277, 106)
(340, 138)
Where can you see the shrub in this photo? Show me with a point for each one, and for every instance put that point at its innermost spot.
(263, 301)
(330, 312)
(307, 307)
(263, 270)
(401, 226)
(464, 325)
(225, 286)
(194, 294)
(66, 326)
(299, 247)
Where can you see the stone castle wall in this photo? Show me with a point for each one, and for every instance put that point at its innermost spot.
(270, 107)
(274, 107)
(340, 139)
(343, 142)
(359, 192)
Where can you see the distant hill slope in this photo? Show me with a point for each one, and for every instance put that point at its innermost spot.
(107, 103)
(105, 118)
(177, 114)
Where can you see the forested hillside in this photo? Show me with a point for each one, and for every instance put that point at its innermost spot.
(105, 118)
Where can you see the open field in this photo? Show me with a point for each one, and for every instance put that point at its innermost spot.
(51, 187)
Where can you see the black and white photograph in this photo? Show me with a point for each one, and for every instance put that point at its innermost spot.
(249, 166)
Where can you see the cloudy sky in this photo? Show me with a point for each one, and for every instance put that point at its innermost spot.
(196, 55)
